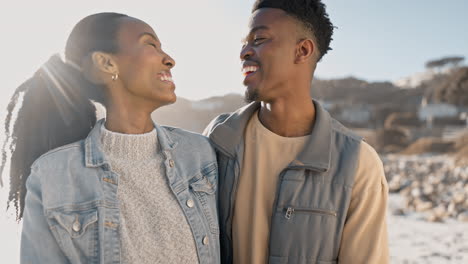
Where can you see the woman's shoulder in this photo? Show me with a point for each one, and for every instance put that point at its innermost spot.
(188, 140)
(185, 135)
(61, 154)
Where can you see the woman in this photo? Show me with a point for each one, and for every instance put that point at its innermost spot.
(127, 190)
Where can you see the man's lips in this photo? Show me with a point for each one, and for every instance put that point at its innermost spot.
(249, 69)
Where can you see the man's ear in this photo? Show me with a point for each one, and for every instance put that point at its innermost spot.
(104, 63)
(305, 50)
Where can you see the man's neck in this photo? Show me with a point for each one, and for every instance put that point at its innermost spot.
(289, 118)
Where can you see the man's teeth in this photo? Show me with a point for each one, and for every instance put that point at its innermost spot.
(166, 78)
(250, 69)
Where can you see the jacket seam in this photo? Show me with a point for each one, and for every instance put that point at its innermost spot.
(68, 146)
(347, 134)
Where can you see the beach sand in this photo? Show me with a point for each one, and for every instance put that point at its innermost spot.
(414, 240)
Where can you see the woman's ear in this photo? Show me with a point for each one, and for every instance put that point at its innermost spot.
(305, 50)
(99, 67)
(104, 62)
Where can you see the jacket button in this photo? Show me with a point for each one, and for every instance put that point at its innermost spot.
(76, 226)
(205, 240)
(190, 203)
(171, 163)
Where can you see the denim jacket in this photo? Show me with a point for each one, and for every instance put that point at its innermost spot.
(72, 211)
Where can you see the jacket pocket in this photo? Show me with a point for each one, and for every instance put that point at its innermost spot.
(77, 234)
(204, 186)
(290, 210)
(302, 234)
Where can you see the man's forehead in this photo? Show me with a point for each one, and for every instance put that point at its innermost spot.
(267, 17)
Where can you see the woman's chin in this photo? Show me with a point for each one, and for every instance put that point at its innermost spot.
(167, 100)
(173, 100)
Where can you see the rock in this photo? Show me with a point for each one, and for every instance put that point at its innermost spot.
(428, 189)
(398, 211)
(409, 203)
(429, 183)
(415, 184)
(459, 185)
(394, 186)
(452, 209)
(433, 218)
(406, 191)
(463, 216)
(422, 206)
(416, 192)
(440, 211)
(458, 197)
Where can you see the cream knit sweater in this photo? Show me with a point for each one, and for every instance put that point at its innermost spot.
(153, 227)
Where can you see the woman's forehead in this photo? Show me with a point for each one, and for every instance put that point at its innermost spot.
(132, 29)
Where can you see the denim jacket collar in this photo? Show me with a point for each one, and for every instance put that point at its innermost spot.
(94, 156)
(317, 151)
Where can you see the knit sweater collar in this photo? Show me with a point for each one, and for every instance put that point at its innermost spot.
(129, 146)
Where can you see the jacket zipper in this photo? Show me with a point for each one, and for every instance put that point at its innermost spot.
(231, 205)
(290, 211)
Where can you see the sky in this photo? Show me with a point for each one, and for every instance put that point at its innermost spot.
(374, 40)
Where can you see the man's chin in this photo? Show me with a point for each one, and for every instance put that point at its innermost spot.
(251, 95)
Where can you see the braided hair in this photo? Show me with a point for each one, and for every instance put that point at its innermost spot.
(56, 107)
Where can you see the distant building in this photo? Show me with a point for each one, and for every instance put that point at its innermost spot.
(356, 114)
(431, 111)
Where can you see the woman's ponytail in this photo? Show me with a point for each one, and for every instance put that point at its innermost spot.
(54, 112)
(57, 107)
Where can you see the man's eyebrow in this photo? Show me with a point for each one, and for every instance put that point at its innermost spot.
(257, 28)
(148, 34)
(253, 30)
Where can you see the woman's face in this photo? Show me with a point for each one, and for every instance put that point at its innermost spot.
(144, 68)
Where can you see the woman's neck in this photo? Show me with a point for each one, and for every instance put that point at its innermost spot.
(128, 122)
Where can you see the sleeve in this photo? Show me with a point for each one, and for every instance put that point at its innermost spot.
(365, 237)
(38, 245)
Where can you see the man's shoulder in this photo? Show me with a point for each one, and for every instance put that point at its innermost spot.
(366, 151)
(236, 119)
(216, 121)
(370, 175)
(341, 130)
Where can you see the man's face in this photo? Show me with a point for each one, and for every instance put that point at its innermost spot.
(268, 54)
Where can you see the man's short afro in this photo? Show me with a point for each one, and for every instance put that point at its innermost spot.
(311, 13)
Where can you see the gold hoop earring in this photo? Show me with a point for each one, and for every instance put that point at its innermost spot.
(115, 77)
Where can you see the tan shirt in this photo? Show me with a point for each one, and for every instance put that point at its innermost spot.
(265, 156)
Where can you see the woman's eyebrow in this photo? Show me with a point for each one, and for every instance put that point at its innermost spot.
(148, 34)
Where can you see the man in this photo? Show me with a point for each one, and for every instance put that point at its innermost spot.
(295, 186)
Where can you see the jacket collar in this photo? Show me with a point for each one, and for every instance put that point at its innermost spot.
(94, 155)
(316, 154)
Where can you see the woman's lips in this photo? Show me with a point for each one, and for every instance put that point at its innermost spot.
(165, 76)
